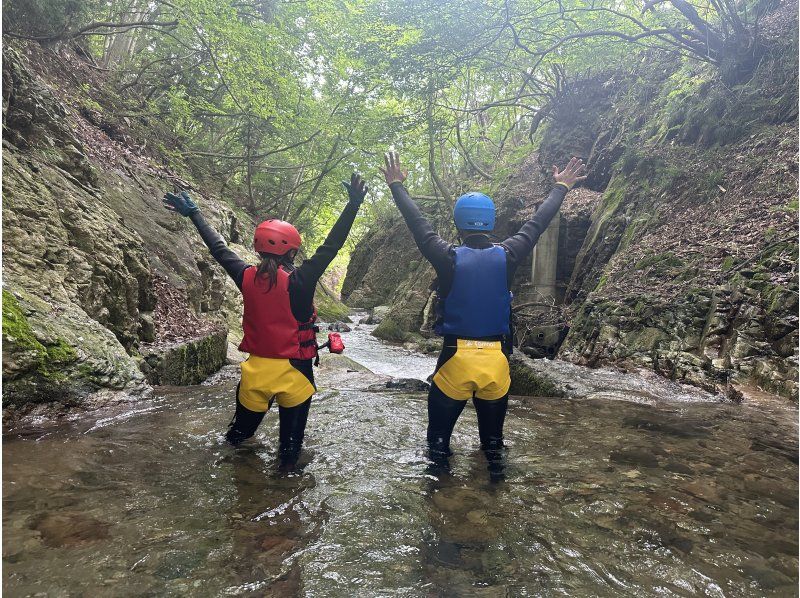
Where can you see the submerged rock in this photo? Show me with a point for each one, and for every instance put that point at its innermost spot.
(339, 327)
(70, 529)
(638, 457)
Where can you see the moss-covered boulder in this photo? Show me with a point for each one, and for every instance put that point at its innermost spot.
(528, 383)
(189, 362)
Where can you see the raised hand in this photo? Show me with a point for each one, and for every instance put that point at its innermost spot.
(572, 174)
(393, 173)
(182, 204)
(356, 189)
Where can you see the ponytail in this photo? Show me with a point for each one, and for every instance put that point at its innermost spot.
(268, 268)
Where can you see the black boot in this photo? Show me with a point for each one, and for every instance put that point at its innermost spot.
(243, 425)
(495, 452)
(292, 433)
(438, 453)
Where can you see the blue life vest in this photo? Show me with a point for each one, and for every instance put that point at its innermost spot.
(479, 302)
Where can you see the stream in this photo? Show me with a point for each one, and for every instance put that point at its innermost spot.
(629, 487)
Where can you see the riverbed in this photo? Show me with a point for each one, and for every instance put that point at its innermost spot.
(627, 493)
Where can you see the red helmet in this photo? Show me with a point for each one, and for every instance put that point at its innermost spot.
(276, 237)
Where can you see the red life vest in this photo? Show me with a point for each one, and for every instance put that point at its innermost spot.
(270, 328)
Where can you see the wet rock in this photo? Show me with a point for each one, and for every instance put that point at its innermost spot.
(377, 314)
(676, 467)
(70, 529)
(664, 536)
(704, 490)
(177, 564)
(447, 554)
(637, 457)
(190, 362)
(401, 384)
(339, 327)
(702, 516)
(278, 546)
(767, 579)
(778, 446)
(428, 345)
(526, 382)
(680, 427)
(779, 491)
(410, 384)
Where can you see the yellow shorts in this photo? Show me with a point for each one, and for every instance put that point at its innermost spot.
(264, 379)
(473, 369)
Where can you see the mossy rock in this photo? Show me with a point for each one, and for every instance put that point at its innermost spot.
(390, 330)
(329, 309)
(190, 362)
(661, 261)
(24, 353)
(525, 382)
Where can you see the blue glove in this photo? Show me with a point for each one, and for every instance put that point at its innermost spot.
(356, 188)
(182, 203)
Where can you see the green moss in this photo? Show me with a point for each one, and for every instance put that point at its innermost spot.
(390, 330)
(331, 310)
(779, 300)
(46, 360)
(61, 352)
(612, 198)
(16, 328)
(525, 382)
(663, 261)
(728, 263)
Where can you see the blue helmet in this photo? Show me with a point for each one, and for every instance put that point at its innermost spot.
(474, 211)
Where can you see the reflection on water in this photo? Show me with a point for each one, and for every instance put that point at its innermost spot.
(601, 497)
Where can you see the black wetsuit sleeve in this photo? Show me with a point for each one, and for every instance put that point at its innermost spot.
(435, 249)
(227, 258)
(304, 279)
(519, 246)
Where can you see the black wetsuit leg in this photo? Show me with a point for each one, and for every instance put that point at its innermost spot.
(491, 417)
(244, 423)
(443, 413)
(292, 431)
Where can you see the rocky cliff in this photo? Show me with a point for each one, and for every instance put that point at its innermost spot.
(104, 291)
(680, 252)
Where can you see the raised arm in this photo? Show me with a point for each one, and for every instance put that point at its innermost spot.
(225, 257)
(521, 244)
(435, 249)
(310, 271)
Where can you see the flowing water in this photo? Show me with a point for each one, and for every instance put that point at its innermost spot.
(602, 497)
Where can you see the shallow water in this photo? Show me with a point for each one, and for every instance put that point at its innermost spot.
(382, 358)
(601, 498)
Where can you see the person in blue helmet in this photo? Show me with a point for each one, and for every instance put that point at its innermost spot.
(474, 306)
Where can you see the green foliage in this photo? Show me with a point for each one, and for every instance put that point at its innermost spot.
(43, 18)
(273, 103)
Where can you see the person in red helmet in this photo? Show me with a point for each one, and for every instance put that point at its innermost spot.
(279, 316)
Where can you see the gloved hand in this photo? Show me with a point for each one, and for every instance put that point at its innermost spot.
(356, 188)
(182, 203)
